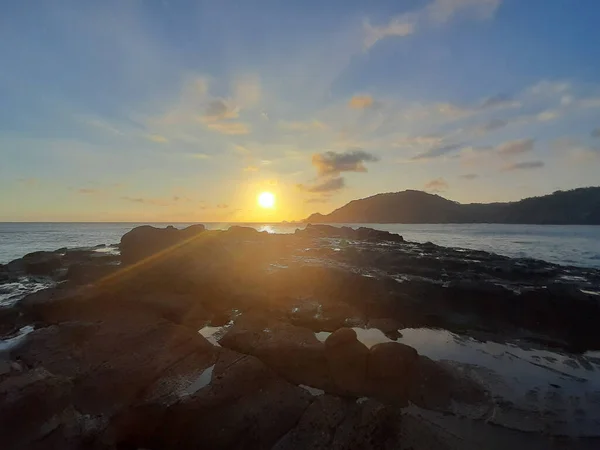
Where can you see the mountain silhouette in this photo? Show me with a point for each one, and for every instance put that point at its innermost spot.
(575, 207)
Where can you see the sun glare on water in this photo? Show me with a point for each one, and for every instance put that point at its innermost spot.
(266, 200)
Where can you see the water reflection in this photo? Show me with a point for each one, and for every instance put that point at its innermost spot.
(533, 389)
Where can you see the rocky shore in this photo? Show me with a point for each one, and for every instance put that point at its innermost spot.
(239, 339)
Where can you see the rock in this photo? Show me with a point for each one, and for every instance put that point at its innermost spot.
(88, 273)
(106, 380)
(377, 235)
(436, 385)
(292, 351)
(42, 263)
(145, 241)
(8, 320)
(317, 426)
(238, 232)
(369, 425)
(32, 405)
(245, 405)
(347, 360)
(390, 370)
(328, 316)
(361, 233)
(389, 327)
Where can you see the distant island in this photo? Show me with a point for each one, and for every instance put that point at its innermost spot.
(574, 207)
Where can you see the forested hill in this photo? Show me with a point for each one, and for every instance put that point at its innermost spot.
(575, 207)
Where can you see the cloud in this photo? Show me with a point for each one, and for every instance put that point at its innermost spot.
(220, 109)
(469, 176)
(361, 102)
(437, 185)
(400, 26)
(435, 13)
(435, 152)
(250, 169)
(29, 182)
(444, 10)
(332, 163)
(492, 125)
(88, 191)
(317, 200)
(313, 125)
(232, 128)
(500, 101)
(198, 155)
(222, 206)
(332, 184)
(157, 201)
(548, 115)
(575, 149)
(596, 133)
(527, 165)
(147, 201)
(248, 91)
(101, 125)
(157, 138)
(549, 88)
(515, 147)
(593, 102)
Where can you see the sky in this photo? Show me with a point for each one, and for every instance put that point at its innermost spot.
(187, 110)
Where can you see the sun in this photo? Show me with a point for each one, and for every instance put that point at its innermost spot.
(266, 200)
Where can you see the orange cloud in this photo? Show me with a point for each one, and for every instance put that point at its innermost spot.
(361, 102)
(233, 128)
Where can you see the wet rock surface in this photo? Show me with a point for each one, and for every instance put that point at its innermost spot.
(117, 360)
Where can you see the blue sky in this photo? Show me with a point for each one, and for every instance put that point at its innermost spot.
(186, 110)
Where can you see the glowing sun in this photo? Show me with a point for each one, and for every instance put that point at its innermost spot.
(266, 200)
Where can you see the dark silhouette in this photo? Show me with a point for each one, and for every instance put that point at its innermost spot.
(575, 207)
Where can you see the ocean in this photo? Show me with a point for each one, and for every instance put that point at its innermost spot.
(569, 245)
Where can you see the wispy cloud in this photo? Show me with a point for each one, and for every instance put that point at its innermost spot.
(435, 13)
(436, 185)
(361, 102)
(436, 152)
(313, 125)
(29, 182)
(400, 26)
(156, 201)
(332, 184)
(87, 191)
(232, 128)
(332, 163)
(321, 199)
(220, 109)
(248, 91)
(500, 101)
(527, 165)
(517, 147)
(469, 176)
(157, 138)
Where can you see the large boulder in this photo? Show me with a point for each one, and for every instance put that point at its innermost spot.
(111, 362)
(347, 360)
(8, 320)
(42, 263)
(435, 385)
(32, 405)
(145, 241)
(342, 424)
(294, 352)
(362, 233)
(243, 404)
(391, 368)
